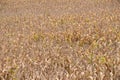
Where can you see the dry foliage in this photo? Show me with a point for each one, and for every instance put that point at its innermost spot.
(59, 40)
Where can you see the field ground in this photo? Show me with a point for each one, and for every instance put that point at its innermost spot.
(59, 39)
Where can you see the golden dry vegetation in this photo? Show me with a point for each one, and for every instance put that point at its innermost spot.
(59, 40)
